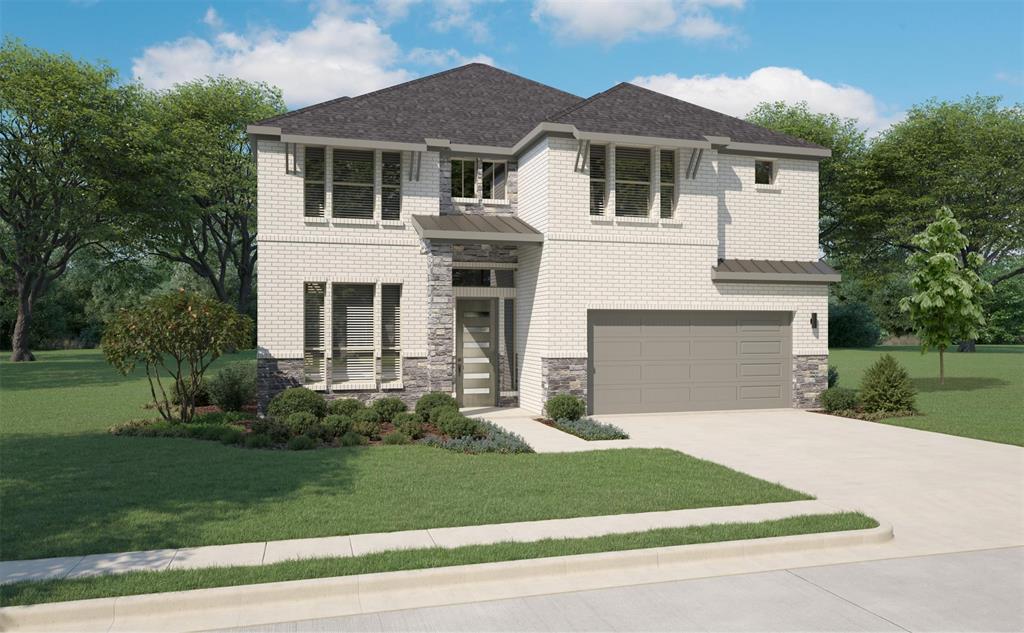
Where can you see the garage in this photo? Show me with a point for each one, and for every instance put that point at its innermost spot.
(649, 361)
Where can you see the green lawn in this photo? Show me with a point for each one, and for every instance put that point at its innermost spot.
(180, 580)
(983, 397)
(67, 487)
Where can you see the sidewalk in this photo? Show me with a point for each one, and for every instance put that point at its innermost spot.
(268, 552)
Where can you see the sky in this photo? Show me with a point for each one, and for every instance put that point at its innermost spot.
(866, 60)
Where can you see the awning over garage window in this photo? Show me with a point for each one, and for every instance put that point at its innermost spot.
(465, 227)
(773, 271)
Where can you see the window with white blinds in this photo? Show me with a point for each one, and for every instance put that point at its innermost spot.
(352, 333)
(463, 178)
(352, 195)
(390, 333)
(494, 176)
(313, 182)
(632, 181)
(598, 179)
(391, 185)
(668, 180)
(314, 297)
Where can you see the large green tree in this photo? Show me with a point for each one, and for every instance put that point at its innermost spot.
(66, 133)
(202, 181)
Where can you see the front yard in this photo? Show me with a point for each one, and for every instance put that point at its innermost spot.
(68, 487)
(982, 397)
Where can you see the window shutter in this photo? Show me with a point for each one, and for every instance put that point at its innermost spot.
(313, 179)
(668, 187)
(314, 297)
(352, 333)
(632, 181)
(391, 185)
(353, 184)
(391, 333)
(598, 179)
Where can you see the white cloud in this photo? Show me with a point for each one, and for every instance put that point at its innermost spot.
(1014, 78)
(445, 58)
(336, 54)
(457, 15)
(739, 95)
(392, 10)
(212, 19)
(612, 21)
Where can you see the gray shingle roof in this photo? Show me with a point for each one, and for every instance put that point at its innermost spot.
(629, 109)
(474, 104)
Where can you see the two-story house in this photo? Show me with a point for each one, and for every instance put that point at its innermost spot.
(478, 233)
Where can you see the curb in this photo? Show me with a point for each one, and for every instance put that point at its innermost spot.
(251, 605)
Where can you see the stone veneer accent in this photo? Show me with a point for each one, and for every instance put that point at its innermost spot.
(564, 375)
(274, 375)
(810, 378)
(440, 318)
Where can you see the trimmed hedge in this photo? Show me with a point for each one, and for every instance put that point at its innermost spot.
(565, 407)
(838, 399)
(433, 400)
(297, 400)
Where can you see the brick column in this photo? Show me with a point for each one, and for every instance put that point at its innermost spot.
(440, 318)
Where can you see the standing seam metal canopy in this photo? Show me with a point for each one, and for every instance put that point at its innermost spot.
(466, 227)
(774, 270)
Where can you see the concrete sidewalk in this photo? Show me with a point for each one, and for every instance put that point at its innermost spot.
(268, 552)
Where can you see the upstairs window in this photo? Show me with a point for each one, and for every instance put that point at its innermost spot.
(313, 297)
(353, 184)
(598, 179)
(352, 333)
(313, 182)
(463, 178)
(668, 182)
(494, 176)
(391, 186)
(632, 181)
(764, 172)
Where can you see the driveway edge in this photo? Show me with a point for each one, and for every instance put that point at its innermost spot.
(251, 605)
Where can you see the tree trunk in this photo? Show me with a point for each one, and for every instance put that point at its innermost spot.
(942, 366)
(966, 346)
(19, 340)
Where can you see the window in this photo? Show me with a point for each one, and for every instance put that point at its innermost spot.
(313, 297)
(352, 333)
(391, 186)
(598, 179)
(494, 175)
(632, 181)
(390, 369)
(482, 278)
(353, 184)
(463, 178)
(313, 182)
(668, 182)
(764, 172)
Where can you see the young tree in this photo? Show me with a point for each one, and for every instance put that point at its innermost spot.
(178, 334)
(946, 304)
(65, 128)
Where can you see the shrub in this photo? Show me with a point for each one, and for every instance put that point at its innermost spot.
(437, 412)
(201, 395)
(219, 417)
(431, 401)
(886, 387)
(454, 424)
(276, 430)
(589, 429)
(351, 438)
(838, 399)
(302, 423)
(409, 423)
(258, 440)
(301, 443)
(232, 435)
(366, 423)
(565, 407)
(210, 432)
(494, 440)
(344, 406)
(129, 428)
(396, 437)
(852, 325)
(388, 408)
(833, 376)
(297, 400)
(234, 386)
(336, 425)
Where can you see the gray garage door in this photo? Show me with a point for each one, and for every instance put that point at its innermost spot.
(651, 361)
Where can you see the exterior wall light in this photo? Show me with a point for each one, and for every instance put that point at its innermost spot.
(814, 320)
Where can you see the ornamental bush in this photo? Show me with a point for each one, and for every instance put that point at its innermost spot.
(352, 438)
(833, 376)
(366, 423)
(396, 437)
(886, 387)
(344, 406)
(301, 443)
(302, 423)
(388, 408)
(234, 386)
(565, 407)
(409, 423)
(454, 424)
(258, 440)
(431, 401)
(297, 400)
(836, 399)
(336, 425)
(494, 439)
(273, 428)
(591, 430)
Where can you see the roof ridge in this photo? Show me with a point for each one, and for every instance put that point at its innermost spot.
(584, 102)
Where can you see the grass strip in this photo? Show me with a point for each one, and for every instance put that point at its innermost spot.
(145, 582)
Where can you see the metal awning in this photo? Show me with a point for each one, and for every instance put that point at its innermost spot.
(467, 227)
(773, 271)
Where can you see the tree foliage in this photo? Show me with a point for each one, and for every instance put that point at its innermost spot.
(178, 335)
(946, 304)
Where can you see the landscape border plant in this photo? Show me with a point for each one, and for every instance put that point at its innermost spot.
(590, 429)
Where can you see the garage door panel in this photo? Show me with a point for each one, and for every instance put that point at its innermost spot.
(652, 361)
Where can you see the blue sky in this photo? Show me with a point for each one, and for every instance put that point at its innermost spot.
(870, 60)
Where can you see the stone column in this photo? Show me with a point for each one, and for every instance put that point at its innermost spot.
(810, 378)
(440, 318)
(444, 193)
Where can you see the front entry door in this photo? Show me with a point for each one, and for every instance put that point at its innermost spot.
(476, 322)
